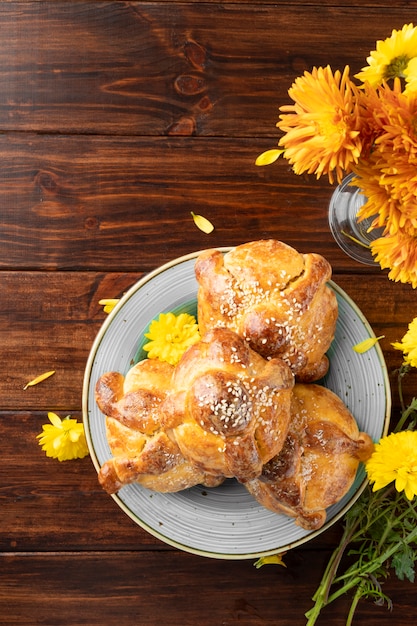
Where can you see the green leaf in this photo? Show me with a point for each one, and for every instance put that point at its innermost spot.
(403, 563)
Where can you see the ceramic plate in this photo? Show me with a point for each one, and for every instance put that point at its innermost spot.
(226, 522)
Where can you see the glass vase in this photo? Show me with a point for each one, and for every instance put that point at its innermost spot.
(353, 237)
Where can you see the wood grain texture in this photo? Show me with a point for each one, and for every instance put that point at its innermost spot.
(123, 204)
(116, 120)
(148, 588)
(151, 68)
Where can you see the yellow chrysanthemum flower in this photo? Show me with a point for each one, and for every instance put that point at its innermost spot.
(395, 459)
(170, 336)
(391, 57)
(411, 76)
(322, 127)
(398, 253)
(63, 439)
(408, 344)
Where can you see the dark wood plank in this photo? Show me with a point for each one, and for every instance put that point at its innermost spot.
(123, 204)
(50, 321)
(185, 590)
(159, 68)
(56, 506)
(116, 120)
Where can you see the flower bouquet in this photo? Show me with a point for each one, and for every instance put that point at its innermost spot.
(368, 129)
(380, 530)
(336, 126)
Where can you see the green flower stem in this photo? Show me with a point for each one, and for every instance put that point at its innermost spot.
(380, 525)
(322, 594)
(365, 570)
(401, 373)
(354, 604)
(406, 414)
(354, 576)
(388, 526)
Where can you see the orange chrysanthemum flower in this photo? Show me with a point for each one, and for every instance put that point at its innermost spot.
(379, 206)
(391, 194)
(322, 127)
(388, 176)
(396, 113)
(398, 253)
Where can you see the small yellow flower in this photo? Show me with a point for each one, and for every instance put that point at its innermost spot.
(39, 379)
(366, 344)
(170, 336)
(63, 439)
(108, 304)
(391, 57)
(274, 559)
(408, 344)
(203, 223)
(395, 459)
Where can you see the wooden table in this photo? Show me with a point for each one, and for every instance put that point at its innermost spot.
(117, 119)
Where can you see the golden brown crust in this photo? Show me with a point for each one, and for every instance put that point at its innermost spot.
(223, 411)
(230, 409)
(274, 297)
(319, 460)
(236, 405)
(142, 443)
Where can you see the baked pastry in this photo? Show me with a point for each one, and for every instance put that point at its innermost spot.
(229, 408)
(143, 450)
(318, 462)
(274, 297)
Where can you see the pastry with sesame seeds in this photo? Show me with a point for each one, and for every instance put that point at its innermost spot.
(318, 462)
(144, 450)
(274, 297)
(230, 407)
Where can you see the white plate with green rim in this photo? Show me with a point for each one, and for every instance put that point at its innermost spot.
(226, 522)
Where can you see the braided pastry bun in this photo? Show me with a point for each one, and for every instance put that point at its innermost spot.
(274, 297)
(143, 450)
(318, 462)
(230, 408)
